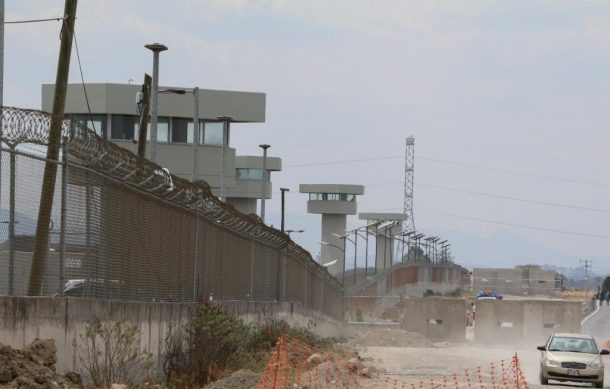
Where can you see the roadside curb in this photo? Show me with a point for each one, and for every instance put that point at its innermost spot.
(591, 314)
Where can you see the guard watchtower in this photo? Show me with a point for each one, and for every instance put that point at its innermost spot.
(334, 202)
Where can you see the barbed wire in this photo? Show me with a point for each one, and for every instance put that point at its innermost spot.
(28, 126)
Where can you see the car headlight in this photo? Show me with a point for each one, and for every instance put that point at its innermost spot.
(596, 364)
(552, 362)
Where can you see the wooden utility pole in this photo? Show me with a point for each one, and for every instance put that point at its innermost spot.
(143, 127)
(50, 169)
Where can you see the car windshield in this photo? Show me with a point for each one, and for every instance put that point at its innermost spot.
(576, 345)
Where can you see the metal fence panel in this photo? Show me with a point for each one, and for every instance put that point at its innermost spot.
(133, 231)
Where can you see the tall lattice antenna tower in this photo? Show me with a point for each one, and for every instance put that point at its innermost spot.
(409, 224)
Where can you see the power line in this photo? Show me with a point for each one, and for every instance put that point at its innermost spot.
(551, 204)
(536, 228)
(346, 161)
(34, 21)
(455, 163)
(82, 78)
(555, 178)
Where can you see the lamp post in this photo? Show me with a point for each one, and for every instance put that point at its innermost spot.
(264, 190)
(366, 250)
(445, 252)
(342, 275)
(418, 249)
(294, 231)
(195, 92)
(342, 249)
(156, 48)
(195, 134)
(405, 240)
(283, 190)
(226, 126)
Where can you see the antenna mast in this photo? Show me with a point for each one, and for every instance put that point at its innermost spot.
(409, 224)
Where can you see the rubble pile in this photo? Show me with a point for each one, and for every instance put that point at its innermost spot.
(241, 379)
(34, 367)
(390, 337)
(339, 374)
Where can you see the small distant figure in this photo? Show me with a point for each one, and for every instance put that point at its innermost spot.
(473, 312)
(359, 315)
(607, 297)
(468, 318)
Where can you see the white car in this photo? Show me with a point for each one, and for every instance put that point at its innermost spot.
(572, 357)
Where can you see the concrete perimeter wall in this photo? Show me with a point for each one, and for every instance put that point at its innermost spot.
(436, 318)
(22, 319)
(503, 321)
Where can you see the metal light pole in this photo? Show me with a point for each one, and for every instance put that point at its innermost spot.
(195, 157)
(355, 257)
(156, 48)
(283, 190)
(195, 134)
(264, 190)
(1, 55)
(1, 84)
(342, 249)
(226, 125)
(294, 231)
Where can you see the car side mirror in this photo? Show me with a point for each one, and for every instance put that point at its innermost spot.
(604, 352)
(543, 348)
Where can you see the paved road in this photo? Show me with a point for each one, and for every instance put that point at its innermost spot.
(598, 325)
(425, 363)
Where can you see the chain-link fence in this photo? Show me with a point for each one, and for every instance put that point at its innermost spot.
(124, 228)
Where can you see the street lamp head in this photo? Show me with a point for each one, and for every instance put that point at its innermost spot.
(264, 146)
(173, 91)
(327, 264)
(156, 47)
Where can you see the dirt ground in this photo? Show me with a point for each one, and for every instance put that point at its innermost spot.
(422, 363)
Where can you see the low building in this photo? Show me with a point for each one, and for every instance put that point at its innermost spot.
(113, 116)
(526, 280)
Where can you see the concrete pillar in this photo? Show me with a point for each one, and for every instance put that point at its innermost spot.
(385, 245)
(333, 224)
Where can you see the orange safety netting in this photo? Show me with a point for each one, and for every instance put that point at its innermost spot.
(295, 364)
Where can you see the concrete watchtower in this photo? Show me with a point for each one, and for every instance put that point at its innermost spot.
(334, 202)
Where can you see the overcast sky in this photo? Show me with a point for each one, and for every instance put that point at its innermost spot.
(519, 88)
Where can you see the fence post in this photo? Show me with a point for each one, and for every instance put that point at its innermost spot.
(517, 373)
(305, 286)
(11, 224)
(89, 256)
(280, 274)
(252, 266)
(64, 201)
